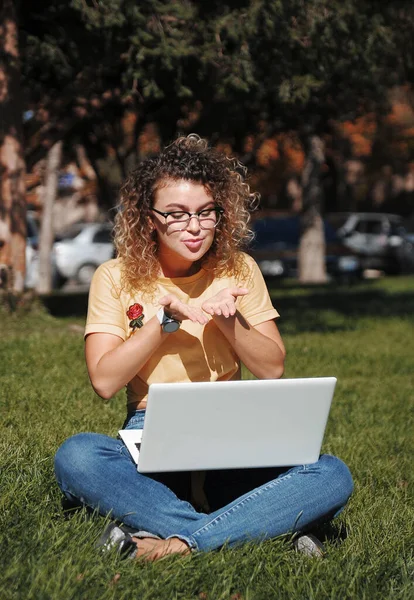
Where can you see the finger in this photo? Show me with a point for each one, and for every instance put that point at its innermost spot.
(197, 316)
(231, 308)
(166, 300)
(207, 308)
(238, 291)
(202, 319)
(211, 308)
(228, 309)
(225, 309)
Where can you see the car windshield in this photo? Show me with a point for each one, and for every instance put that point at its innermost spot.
(31, 228)
(277, 233)
(70, 233)
(330, 233)
(337, 220)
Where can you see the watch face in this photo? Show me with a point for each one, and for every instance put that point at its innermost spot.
(170, 326)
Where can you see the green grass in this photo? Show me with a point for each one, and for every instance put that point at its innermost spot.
(363, 335)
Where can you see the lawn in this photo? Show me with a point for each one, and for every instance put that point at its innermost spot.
(363, 335)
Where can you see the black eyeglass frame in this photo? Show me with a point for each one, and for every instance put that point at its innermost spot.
(216, 209)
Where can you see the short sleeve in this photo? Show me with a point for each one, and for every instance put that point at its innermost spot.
(256, 306)
(105, 311)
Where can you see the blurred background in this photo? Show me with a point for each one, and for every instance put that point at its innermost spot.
(316, 98)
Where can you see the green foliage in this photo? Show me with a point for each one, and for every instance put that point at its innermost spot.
(276, 60)
(320, 59)
(361, 335)
(129, 44)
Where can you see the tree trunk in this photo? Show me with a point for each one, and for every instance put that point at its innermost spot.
(12, 164)
(44, 283)
(84, 163)
(311, 253)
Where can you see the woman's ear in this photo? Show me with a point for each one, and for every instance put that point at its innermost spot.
(150, 223)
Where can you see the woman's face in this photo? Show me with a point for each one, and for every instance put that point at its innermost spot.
(182, 245)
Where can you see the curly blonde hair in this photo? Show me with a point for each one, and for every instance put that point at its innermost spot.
(187, 158)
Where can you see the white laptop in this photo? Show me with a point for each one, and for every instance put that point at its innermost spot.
(231, 424)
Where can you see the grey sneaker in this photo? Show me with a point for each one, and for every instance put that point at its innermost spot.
(310, 545)
(120, 537)
(114, 537)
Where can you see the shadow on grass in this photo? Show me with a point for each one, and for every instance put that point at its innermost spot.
(332, 532)
(64, 304)
(330, 309)
(314, 309)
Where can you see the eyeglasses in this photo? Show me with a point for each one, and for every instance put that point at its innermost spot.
(178, 220)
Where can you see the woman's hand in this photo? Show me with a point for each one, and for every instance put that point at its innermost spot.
(224, 303)
(180, 311)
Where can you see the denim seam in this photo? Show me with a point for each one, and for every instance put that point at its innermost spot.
(240, 504)
(122, 449)
(190, 541)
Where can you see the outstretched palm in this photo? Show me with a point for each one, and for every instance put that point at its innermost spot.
(224, 303)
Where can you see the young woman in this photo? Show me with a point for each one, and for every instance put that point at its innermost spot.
(181, 303)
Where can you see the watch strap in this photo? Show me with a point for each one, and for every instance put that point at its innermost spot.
(161, 315)
(167, 323)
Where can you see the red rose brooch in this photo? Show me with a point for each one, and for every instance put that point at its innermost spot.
(135, 313)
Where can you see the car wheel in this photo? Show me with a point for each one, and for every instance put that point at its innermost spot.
(85, 274)
(58, 280)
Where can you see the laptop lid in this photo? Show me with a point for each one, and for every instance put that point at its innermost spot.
(234, 424)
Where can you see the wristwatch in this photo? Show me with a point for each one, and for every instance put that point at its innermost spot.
(168, 324)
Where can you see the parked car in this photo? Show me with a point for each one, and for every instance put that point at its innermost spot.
(81, 249)
(380, 240)
(275, 249)
(32, 254)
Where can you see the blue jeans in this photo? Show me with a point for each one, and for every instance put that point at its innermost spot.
(97, 471)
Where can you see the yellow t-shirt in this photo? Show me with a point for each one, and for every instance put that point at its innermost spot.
(195, 352)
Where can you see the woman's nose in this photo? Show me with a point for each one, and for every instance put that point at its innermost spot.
(193, 223)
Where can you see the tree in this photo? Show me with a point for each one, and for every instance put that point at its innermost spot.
(88, 65)
(12, 164)
(44, 284)
(312, 63)
(96, 75)
(229, 71)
